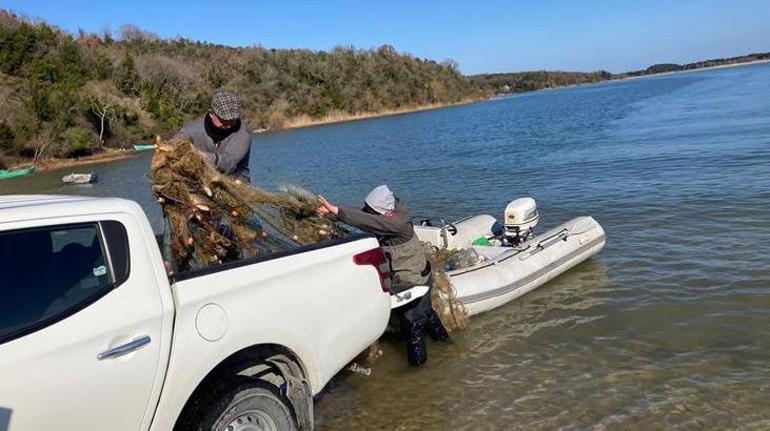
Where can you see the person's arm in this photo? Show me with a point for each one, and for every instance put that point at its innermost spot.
(229, 155)
(375, 224)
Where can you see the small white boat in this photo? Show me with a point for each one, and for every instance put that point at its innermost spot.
(504, 262)
(79, 178)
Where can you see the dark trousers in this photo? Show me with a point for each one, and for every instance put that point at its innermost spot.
(415, 319)
(412, 318)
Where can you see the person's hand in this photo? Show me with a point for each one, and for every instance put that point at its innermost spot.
(169, 267)
(326, 207)
(201, 153)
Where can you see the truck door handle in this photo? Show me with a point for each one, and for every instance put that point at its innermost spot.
(124, 349)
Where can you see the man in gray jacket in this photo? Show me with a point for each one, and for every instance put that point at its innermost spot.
(221, 136)
(387, 218)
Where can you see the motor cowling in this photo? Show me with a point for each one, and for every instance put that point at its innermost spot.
(520, 218)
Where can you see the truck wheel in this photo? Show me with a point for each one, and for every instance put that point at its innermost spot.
(251, 406)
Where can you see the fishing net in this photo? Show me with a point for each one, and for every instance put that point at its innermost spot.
(444, 300)
(213, 218)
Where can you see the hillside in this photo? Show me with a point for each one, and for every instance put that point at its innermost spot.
(80, 94)
(77, 95)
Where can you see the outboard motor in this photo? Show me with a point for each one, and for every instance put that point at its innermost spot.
(521, 217)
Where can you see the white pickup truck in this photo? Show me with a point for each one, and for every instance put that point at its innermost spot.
(95, 336)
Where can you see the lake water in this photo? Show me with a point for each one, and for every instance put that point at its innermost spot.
(668, 327)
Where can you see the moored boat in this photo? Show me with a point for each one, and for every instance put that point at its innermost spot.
(79, 178)
(6, 174)
(144, 147)
(497, 263)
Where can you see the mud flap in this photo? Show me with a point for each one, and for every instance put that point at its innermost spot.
(297, 390)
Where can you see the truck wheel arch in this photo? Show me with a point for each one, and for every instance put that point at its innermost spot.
(270, 363)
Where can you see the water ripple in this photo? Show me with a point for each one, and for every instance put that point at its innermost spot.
(667, 328)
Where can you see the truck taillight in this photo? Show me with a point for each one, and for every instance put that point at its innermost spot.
(376, 258)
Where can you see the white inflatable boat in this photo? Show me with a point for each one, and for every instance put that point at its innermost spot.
(505, 261)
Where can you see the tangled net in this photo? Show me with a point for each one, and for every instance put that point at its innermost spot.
(450, 310)
(214, 217)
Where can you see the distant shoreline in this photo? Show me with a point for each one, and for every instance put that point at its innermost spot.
(293, 123)
(626, 78)
(700, 69)
(56, 163)
(334, 118)
(652, 75)
(306, 121)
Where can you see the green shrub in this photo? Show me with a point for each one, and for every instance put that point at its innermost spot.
(37, 101)
(126, 78)
(102, 66)
(79, 141)
(7, 138)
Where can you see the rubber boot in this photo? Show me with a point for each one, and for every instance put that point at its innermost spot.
(416, 348)
(436, 329)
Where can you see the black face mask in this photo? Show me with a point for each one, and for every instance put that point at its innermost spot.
(369, 210)
(215, 132)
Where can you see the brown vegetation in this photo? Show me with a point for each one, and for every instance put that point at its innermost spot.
(111, 91)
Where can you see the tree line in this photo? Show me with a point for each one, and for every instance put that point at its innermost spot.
(76, 94)
(81, 93)
(519, 82)
(505, 83)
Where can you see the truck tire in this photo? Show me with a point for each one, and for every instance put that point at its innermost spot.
(252, 406)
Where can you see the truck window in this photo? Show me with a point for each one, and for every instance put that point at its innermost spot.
(48, 274)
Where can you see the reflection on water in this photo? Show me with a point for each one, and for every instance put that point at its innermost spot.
(667, 327)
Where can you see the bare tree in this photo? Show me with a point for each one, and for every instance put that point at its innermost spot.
(41, 142)
(5, 96)
(102, 109)
(132, 33)
(107, 35)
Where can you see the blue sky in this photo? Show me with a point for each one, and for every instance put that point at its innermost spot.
(491, 36)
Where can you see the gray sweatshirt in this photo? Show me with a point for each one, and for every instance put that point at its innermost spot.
(230, 155)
